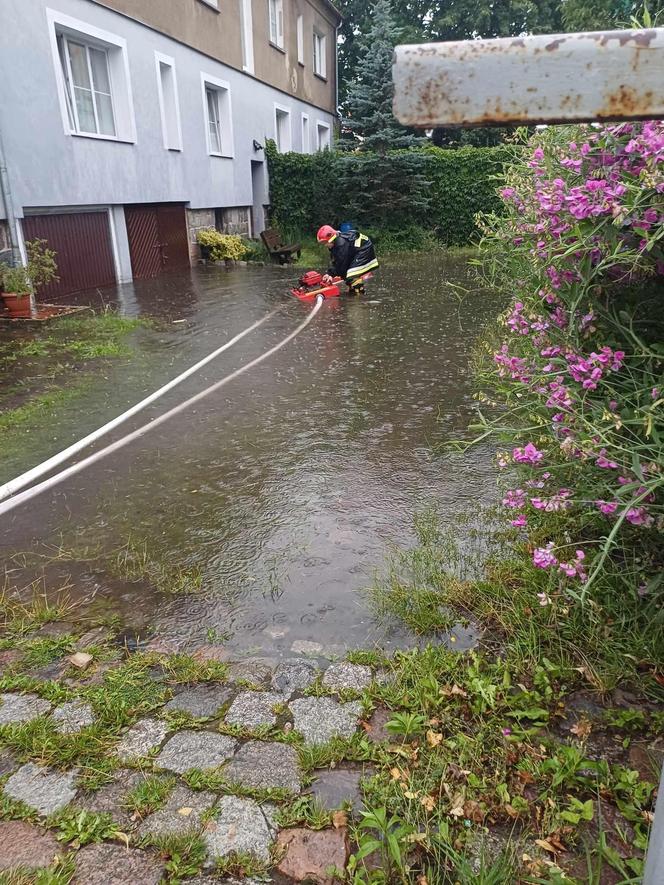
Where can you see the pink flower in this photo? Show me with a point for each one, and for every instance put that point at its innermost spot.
(639, 516)
(543, 556)
(607, 507)
(527, 455)
(574, 569)
(544, 599)
(654, 393)
(507, 731)
(603, 461)
(514, 498)
(520, 521)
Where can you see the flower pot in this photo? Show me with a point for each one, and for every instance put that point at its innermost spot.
(19, 304)
(205, 252)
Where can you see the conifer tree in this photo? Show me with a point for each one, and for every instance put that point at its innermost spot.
(368, 122)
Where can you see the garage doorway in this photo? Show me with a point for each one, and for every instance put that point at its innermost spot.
(82, 243)
(157, 236)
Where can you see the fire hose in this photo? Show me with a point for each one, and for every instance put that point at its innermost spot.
(51, 482)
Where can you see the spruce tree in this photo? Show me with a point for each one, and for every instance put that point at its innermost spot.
(368, 122)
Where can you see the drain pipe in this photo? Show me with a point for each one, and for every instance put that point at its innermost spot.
(6, 192)
(20, 482)
(52, 481)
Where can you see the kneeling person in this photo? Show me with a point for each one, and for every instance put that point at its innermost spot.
(353, 256)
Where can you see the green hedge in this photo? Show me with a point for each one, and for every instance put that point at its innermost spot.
(424, 188)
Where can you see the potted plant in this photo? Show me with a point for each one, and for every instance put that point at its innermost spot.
(19, 284)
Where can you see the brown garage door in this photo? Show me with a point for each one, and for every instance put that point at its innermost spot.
(82, 241)
(157, 238)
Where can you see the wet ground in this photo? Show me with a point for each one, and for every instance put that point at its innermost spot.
(278, 496)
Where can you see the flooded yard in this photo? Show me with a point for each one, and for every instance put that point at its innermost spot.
(258, 517)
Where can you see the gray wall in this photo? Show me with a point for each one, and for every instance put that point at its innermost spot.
(49, 168)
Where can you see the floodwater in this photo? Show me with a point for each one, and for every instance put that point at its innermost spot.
(277, 497)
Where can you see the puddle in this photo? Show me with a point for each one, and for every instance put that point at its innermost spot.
(278, 496)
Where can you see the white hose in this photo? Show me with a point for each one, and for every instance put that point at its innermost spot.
(52, 481)
(20, 482)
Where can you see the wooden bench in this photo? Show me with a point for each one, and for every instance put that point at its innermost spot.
(282, 253)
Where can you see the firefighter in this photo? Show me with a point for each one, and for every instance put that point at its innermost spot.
(353, 257)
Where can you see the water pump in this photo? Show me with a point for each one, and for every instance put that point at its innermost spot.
(311, 285)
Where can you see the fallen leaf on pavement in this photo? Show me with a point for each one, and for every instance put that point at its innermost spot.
(582, 728)
(185, 811)
(434, 738)
(339, 819)
(457, 806)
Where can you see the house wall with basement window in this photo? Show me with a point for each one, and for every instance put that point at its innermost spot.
(154, 151)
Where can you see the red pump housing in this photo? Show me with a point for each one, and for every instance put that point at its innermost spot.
(311, 285)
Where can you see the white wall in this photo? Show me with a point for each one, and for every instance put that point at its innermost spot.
(50, 168)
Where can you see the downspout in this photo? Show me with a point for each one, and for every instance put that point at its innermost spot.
(336, 72)
(6, 192)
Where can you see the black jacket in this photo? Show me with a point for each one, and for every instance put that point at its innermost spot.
(351, 250)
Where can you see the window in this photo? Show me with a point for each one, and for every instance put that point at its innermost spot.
(276, 13)
(213, 3)
(282, 129)
(218, 120)
(169, 107)
(322, 136)
(320, 42)
(300, 39)
(92, 78)
(247, 31)
(306, 144)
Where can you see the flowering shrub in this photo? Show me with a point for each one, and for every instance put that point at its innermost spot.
(578, 374)
(221, 246)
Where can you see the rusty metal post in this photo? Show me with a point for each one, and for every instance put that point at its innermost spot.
(564, 78)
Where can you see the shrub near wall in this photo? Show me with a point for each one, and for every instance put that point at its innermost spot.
(429, 189)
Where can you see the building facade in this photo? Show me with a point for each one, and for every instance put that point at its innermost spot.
(127, 125)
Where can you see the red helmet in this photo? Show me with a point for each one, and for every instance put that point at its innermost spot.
(326, 234)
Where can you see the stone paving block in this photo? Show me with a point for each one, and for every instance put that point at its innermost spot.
(333, 787)
(240, 826)
(211, 653)
(349, 677)
(106, 864)
(21, 708)
(195, 749)
(309, 854)
(263, 765)
(95, 636)
(253, 670)
(253, 708)
(377, 731)
(111, 797)
(293, 676)
(9, 658)
(201, 701)
(320, 719)
(305, 647)
(141, 738)
(73, 716)
(181, 816)
(26, 846)
(8, 762)
(41, 789)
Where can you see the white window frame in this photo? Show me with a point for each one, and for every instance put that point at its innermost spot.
(321, 124)
(166, 60)
(300, 40)
(281, 109)
(213, 3)
(276, 34)
(118, 71)
(320, 54)
(225, 115)
(306, 134)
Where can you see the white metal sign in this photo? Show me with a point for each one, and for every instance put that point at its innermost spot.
(562, 78)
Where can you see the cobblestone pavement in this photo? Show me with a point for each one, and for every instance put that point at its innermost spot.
(216, 763)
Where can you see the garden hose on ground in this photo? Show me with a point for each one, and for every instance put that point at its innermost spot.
(23, 497)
